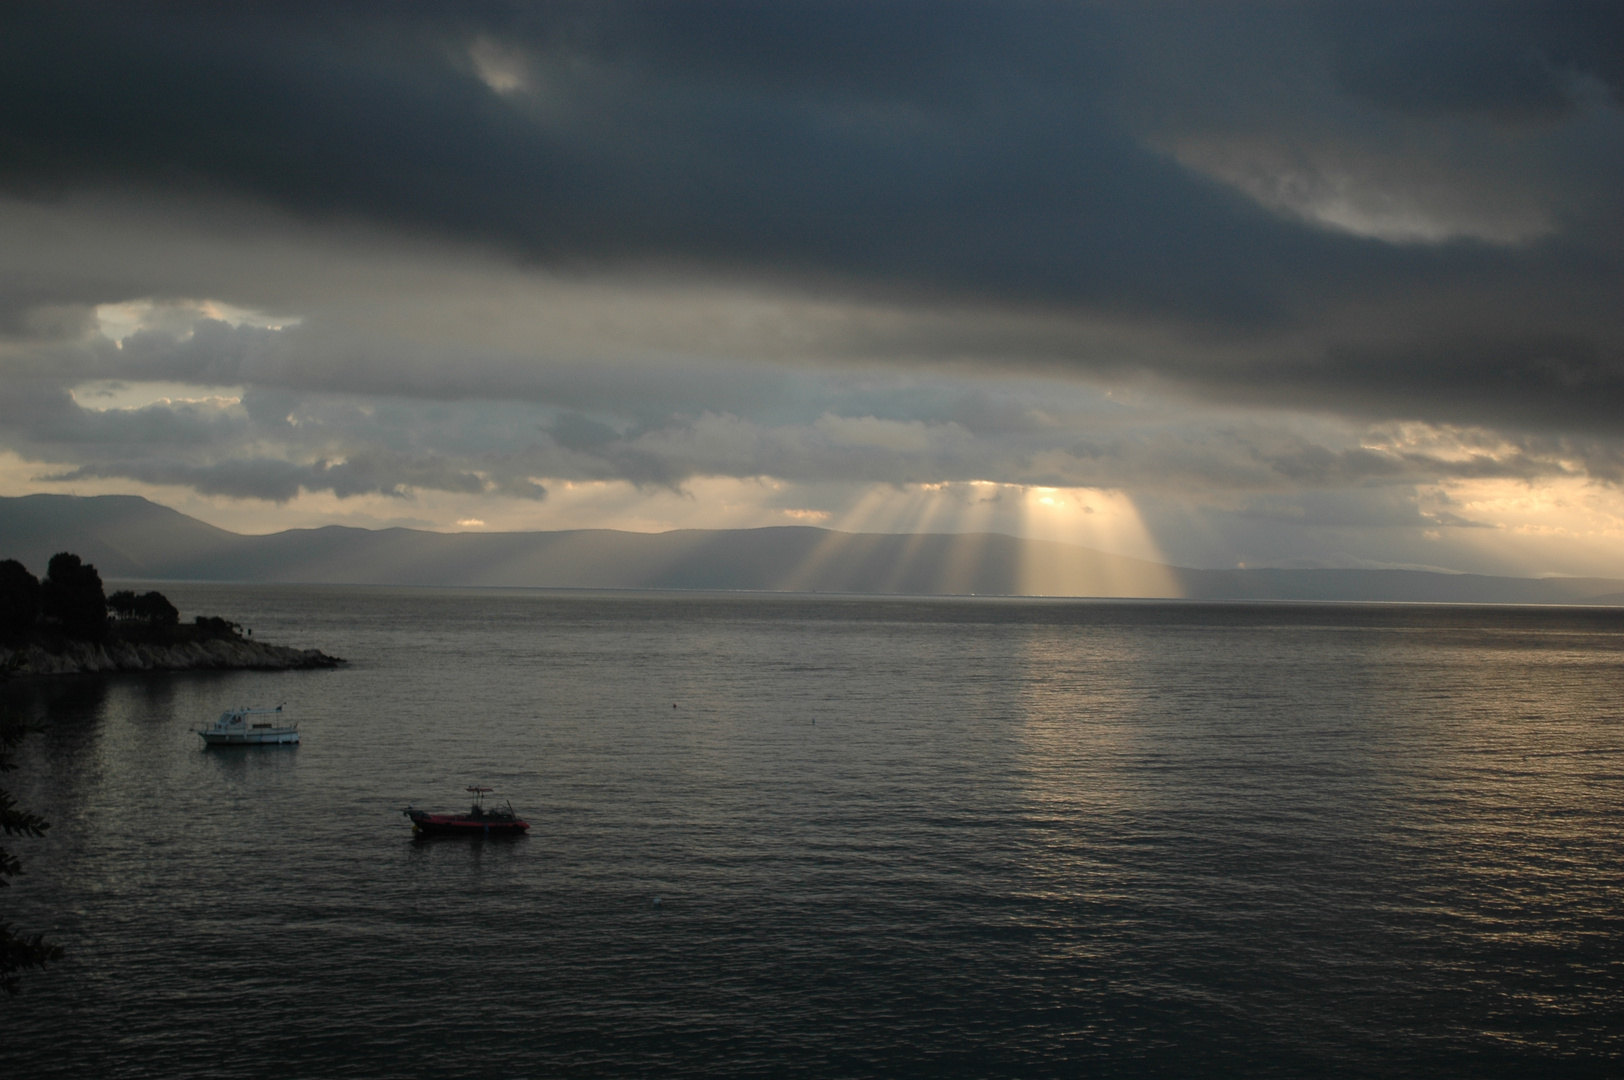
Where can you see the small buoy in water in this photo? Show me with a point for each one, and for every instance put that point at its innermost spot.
(658, 902)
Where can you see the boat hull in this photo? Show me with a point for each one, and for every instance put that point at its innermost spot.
(251, 737)
(463, 825)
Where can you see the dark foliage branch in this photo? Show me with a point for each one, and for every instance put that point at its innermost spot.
(17, 952)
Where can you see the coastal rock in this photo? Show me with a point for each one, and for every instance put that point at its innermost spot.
(75, 657)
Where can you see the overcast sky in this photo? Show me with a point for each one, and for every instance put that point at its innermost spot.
(1285, 284)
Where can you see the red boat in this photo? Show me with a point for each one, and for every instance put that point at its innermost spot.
(480, 820)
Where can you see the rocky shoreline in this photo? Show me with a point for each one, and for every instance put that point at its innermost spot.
(77, 657)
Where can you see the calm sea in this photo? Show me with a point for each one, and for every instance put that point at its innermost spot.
(890, 837)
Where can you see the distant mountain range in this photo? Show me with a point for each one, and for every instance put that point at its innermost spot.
(128, 537)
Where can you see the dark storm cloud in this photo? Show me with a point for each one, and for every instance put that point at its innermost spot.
(210, 446)
(272, 480)
(1512, 62)
(25, 322)
(938, 154)
(274, 444)
(1374, 507)
(214, 353)
(933, 148)
(277, 480)
(42, 415)
(1485, 374)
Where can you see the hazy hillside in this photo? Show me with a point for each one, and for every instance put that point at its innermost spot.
(129, 537)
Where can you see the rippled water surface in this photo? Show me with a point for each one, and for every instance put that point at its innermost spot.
(933, 837)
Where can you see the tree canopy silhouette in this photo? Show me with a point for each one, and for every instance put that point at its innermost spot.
(152, 607)
(19, 601)
(72, 596)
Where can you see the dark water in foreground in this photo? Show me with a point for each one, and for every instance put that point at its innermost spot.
(943, 838)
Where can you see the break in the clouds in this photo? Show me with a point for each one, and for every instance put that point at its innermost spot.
(1329, 264)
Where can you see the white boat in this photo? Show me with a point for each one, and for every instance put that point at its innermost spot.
(245, 726)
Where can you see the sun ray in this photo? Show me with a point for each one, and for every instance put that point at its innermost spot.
(1081, 540)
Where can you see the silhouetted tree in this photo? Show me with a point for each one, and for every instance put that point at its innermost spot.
(152, 607)
(17, 952)
(19, 601)
(71, 595)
